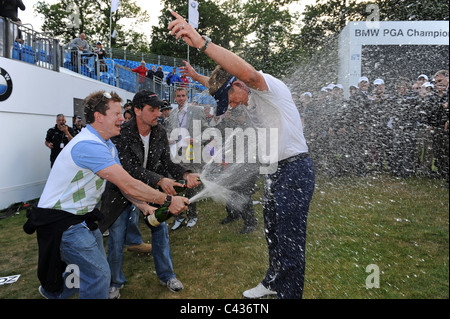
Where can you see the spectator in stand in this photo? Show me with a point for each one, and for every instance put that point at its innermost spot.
(9, 9)
(158, 77)
(173, 78)
(58, 137)
(78, 47)
(151, 73)
(184, 80)
(142, 71)
(101, 55)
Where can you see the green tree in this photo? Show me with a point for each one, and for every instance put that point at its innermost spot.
(271, 43)
(66, 19)
(212, 22)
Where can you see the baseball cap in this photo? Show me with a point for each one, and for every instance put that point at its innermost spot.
(221, 96)
(423, 76)
(363, 78)
(147, 97)
(166, 106)
(378, 82)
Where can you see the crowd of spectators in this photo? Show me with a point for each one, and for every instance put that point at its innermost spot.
(400, 127)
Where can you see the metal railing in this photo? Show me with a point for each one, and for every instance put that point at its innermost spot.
(21, 42)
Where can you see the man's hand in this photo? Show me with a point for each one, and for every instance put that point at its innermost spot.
(188, 70)
(145, 208)
(167, 184)
(193, 180)
(183, 29)
(179, 204)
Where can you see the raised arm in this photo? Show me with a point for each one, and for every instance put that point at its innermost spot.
(189, 71)
(232, 63)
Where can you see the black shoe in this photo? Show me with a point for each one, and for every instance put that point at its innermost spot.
(230, 219)
(249, 228)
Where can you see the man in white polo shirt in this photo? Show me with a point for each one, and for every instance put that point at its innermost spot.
(66, 213)
(289, 188)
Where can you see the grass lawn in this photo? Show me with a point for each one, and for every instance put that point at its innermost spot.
(401, 226)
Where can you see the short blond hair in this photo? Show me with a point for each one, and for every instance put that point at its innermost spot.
(218, 77)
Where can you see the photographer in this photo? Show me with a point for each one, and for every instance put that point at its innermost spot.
(58, 137)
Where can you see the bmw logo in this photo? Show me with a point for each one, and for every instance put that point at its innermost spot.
(6, 85)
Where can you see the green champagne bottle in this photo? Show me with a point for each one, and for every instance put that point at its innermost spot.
(181, 189)
(159, 216)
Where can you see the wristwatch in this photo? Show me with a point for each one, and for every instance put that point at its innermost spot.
(168, 201)
(207, 42)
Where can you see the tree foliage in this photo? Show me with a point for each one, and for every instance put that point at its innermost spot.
(66, 19)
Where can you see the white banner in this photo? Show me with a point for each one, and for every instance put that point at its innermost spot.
(114, 5)
(193, 13)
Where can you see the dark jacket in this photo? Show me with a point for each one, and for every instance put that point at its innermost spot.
(131, 155)
(8, 8)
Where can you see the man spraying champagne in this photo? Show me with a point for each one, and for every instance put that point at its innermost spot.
(289, 190)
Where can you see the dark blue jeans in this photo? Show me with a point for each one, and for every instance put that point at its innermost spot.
(287, 195)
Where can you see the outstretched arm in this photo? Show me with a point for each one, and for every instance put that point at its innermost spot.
(189, 71)
(232, 63)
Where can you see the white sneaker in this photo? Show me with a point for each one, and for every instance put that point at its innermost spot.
(177, 223)
(173, 284)
(191, 222)
(114, 292)
(258, 292)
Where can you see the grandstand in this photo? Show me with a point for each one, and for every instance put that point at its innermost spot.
(36, 48)
(37, 81)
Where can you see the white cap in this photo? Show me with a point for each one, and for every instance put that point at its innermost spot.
(428, 84)
(339, 86)
(423, 76)
(324, 89)
(330, 86)
(308, 94)
(378, 82)
(363, 78)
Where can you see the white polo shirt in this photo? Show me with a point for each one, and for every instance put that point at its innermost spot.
(276, 109)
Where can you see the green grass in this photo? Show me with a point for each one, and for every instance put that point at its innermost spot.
(402, 226)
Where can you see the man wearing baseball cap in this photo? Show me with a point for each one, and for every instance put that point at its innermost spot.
(144, 151)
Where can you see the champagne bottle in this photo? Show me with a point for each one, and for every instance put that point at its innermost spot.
(180, 189)
(159, 216)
